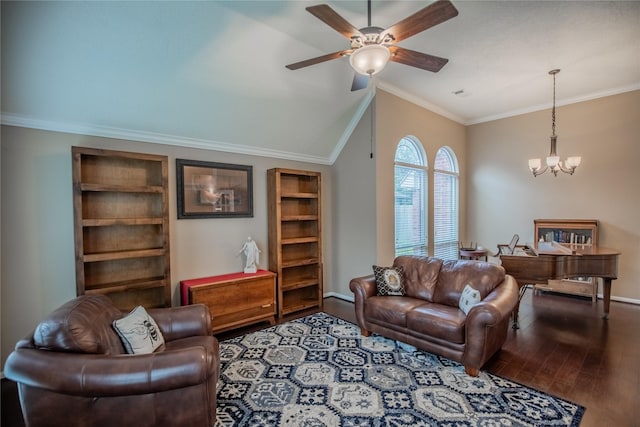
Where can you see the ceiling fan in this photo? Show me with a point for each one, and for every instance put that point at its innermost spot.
(372, 47)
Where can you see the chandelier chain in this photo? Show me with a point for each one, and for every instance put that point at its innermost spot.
(553, 110)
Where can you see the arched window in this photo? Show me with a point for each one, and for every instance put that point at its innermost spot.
(445, 204)
(410, 178)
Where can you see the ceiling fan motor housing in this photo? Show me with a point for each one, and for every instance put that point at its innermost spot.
(368, 36)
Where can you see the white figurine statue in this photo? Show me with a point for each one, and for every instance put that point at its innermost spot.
(252, 253)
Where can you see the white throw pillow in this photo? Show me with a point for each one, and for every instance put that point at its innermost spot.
(138, 331)
(468, 299)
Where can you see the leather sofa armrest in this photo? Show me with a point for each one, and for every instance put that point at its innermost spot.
(182, 322)
(496, 306)
(108, 375)
(362, 288)
(487, 323)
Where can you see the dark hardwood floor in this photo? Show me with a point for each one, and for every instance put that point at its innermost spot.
(563, 347)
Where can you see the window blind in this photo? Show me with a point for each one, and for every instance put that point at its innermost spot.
(410, 212)
(445, 209)
(410, 178)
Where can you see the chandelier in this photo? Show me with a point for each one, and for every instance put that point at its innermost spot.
(553, 162)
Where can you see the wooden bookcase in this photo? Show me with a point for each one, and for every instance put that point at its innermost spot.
(574, 234)
(121, 225)
(295, 237)
(568, 232)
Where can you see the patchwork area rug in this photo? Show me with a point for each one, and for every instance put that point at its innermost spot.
(319, 371)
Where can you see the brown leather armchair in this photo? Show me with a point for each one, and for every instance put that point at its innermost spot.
(74, 371)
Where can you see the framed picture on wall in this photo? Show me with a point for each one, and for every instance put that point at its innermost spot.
(213, 190)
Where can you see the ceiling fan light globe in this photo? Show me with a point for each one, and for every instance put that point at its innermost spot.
(370, 59)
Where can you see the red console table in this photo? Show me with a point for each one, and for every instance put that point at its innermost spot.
(235, 299)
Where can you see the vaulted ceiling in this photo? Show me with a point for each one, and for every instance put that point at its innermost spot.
(211, 74)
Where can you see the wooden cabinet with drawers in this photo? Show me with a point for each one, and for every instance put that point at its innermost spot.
(234, 300)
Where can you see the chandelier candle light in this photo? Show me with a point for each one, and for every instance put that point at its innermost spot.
(553, 160)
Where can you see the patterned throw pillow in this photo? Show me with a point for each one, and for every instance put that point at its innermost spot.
(468, 298)
(389, 280)
(138, 331)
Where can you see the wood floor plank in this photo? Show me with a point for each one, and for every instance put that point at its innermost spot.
(564, 347)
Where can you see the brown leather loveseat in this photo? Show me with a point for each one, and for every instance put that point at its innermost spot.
(428, 315)
(74, 370)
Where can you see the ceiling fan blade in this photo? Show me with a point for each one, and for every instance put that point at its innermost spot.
(360, 81)
(319, 59)
(434, 14)
(330, 17)
(417, 59)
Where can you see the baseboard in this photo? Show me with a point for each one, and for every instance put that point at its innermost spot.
(623, 299)
(339, 296)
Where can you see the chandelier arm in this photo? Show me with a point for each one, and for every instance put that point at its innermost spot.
(569, 170)
(539, 171)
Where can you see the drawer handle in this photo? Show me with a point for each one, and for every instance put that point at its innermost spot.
(266, 305)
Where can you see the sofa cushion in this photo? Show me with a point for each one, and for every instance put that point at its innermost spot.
(138, 331)
(438, 321)
(420, 275)
(456, 274)
(390, 309)
(82, 325)
(389, 280)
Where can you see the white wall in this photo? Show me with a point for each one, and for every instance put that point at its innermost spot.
(364, 187)
(38, 270)
(397, 118)
(504, 198)
(354, 233)
(499, 196)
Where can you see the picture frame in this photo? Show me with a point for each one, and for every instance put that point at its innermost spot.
(213, 190)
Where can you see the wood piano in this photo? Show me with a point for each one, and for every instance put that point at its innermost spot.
(589, 261)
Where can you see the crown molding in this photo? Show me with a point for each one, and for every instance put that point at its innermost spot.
(157, 138)
(394, 90)
(559, 103)
(438, 110)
